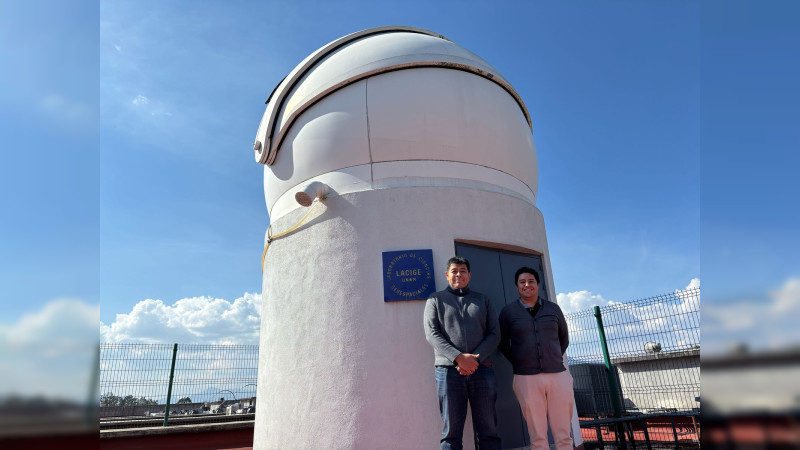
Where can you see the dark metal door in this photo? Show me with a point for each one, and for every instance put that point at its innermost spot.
(493, 275)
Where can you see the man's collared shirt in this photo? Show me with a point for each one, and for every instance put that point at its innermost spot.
(532, 309)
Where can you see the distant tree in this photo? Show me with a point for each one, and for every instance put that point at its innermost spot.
(184, 400)
(147, 401)
(109, 399)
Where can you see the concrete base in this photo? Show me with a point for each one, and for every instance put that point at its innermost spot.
(339, 367)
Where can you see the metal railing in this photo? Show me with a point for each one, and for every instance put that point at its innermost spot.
(636, 369)
(166, 384)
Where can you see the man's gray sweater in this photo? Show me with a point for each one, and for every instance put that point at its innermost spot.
(461, 321)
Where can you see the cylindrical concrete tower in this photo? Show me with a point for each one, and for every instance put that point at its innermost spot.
(419, 144)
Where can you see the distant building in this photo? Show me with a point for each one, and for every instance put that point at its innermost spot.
(661, 382)
(229, 407)
(745, 383)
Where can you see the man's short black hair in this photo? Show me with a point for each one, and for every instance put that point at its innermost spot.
(522, 270)
(457, 260)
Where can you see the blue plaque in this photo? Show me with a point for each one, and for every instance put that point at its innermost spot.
(408, 275)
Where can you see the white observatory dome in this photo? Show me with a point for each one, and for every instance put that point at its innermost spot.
(394, 107)
(420, 150)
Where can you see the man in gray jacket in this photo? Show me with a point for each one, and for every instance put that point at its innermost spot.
(462, 327)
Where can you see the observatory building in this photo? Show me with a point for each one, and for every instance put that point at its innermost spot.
(386, 152)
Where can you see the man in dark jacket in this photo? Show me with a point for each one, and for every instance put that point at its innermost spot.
(534, 338)
(462, 327)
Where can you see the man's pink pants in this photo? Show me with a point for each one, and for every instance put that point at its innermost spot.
(546, 397)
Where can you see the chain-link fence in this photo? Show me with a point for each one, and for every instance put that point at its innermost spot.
(644, 387)
(638, 364)
(166, 384)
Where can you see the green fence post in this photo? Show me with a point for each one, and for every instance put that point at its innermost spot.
(612, 382)
(169, 389)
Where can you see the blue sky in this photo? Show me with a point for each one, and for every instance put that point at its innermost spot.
(749, 159)
(182, 205)
(664, 130)
(50, 171)
(615, 118)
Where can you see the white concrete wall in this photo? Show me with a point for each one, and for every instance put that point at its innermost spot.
(661, 383)
(756, 388)
(339, 368)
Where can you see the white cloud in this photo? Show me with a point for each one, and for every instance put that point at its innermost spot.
(579, 300)
(729, 318)
(140, 100)
(50, 352)
(694, 283)
(759, 323)
(156, 108)
(195, 320)
(670, 319)
(62, 323)
(744, 315)
(787, 298)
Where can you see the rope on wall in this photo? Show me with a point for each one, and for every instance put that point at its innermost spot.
(271, 238)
